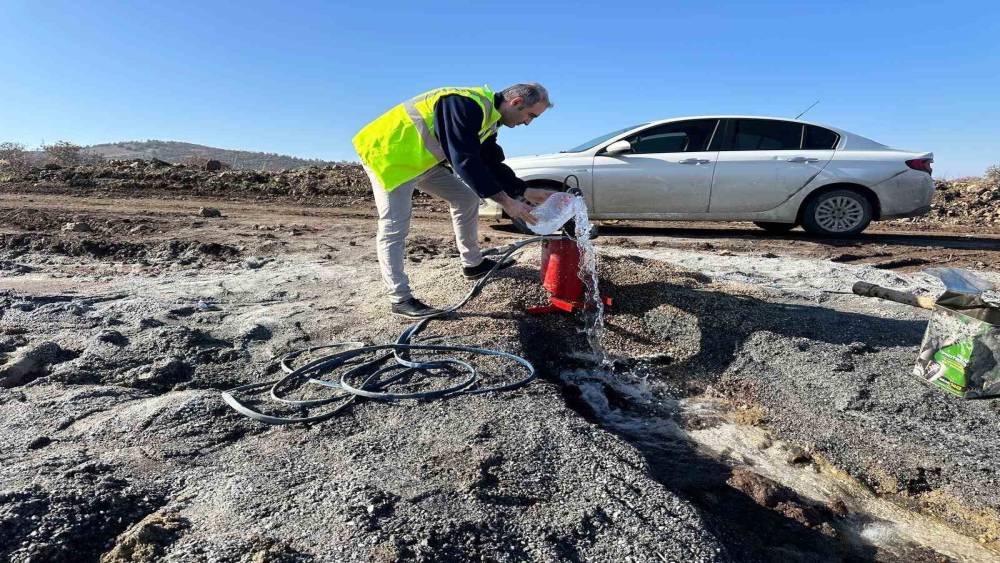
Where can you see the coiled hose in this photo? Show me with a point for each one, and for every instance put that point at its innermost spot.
(373, 378)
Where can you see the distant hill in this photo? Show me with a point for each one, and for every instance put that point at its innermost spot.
(177, 152)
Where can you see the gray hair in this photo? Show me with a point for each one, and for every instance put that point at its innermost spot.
(532, 93)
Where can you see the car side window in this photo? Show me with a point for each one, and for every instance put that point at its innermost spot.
(764, 135)
(817, 138)
(684, 136)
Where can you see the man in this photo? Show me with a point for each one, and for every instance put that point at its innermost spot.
(444, 143)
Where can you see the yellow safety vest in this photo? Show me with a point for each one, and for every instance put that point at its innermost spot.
(401, 143)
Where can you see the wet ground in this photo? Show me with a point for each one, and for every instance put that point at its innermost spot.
(756, 410)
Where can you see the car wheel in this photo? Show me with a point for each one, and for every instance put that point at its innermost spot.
(839, 212)
(775, 227)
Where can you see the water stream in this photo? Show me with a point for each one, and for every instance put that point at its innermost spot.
(593, 312)
(652, 422)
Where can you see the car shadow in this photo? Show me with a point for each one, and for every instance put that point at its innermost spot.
(958, 242)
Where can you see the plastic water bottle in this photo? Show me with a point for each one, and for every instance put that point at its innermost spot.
(553, 213)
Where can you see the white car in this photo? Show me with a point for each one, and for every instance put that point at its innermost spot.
(776, 172)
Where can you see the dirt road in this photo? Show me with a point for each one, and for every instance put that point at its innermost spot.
(883, 246)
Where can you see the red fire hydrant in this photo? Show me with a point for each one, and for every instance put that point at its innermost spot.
(561, 278)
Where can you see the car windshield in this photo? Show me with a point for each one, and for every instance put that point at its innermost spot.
(598, 140)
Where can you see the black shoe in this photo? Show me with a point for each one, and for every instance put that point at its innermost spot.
(413, 308)
(476, 272)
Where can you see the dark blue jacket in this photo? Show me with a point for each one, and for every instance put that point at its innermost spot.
(457, 120)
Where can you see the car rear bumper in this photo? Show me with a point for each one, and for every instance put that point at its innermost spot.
(905, 195)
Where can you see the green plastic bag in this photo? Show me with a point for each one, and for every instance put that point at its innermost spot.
(960, 352)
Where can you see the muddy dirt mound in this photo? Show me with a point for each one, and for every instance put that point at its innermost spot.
(971, 201)
(142, 177)
(170, 251)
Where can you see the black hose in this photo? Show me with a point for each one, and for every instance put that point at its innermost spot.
(372, 378)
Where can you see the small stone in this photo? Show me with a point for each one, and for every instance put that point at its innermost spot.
(39, 442)
(76, 227)
(254, 262)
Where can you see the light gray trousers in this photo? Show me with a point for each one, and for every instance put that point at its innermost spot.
(394, 210)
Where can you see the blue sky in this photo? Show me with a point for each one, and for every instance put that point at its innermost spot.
(300, 78)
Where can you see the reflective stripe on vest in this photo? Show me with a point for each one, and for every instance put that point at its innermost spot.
(400, 144)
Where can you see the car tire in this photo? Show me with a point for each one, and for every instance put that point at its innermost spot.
(837, 213)
(775, 227)
(520, 227)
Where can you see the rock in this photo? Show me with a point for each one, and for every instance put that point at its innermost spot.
(39, 442)
(76, 227)
(209, 212)
(254, 262)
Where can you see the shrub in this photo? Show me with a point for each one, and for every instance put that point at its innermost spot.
(13, 159)
(992, 176)
(65, 153)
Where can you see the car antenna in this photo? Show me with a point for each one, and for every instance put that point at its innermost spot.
(807, 109)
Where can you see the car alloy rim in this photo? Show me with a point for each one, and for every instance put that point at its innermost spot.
(839, 214)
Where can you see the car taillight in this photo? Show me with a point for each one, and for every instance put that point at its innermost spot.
(921, 164)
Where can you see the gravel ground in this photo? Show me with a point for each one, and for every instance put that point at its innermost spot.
(833, 373)
(116, 342)
(117, 442)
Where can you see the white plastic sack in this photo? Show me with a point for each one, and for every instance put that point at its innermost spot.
(554, 212)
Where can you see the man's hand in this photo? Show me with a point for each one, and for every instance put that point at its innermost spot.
(515, 209)
(537, 195)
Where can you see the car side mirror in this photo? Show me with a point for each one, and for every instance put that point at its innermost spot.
(618, 147)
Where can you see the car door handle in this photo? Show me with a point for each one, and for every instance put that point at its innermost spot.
(803, 159)
(694, 161)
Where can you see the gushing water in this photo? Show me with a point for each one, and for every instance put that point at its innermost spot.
(551, 215)
(593, 311)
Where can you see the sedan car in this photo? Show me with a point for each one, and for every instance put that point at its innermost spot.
(778, 173)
